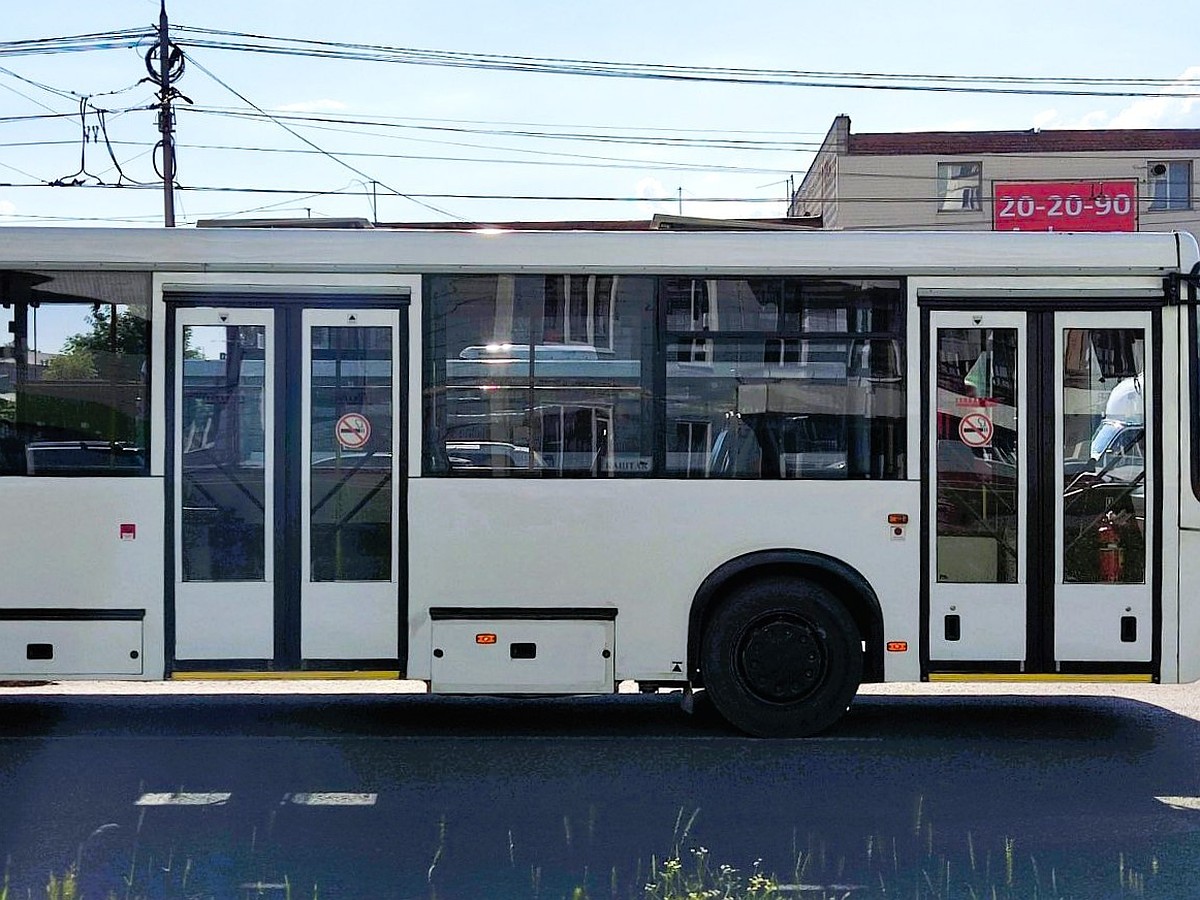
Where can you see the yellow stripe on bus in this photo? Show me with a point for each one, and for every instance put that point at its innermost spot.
(1040, 676)
(285, 676)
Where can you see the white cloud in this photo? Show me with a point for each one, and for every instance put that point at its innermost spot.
(1163, 112)
(1144, 112)
(657, 197)
(313, 106)
(654, 195)
(1046, 118)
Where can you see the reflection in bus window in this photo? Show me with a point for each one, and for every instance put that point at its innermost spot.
(788, 409)
(223, 449)
(538, 375)
(350, 537)
(1104, 455)
(977, 456)
(754, 377)
(73, 374)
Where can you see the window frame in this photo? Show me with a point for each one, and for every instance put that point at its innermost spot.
(975, 190)
(1193, 343)
(1168, 203)
(119, 453)
(860, 316)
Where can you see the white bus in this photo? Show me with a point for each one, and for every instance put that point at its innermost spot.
(772, 466)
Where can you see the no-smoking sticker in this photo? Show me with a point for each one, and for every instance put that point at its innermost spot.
(975, 429)
(353, 430)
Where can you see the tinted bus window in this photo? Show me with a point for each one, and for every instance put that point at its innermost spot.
(73, 373)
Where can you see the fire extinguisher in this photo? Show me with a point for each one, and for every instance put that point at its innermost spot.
(1109, 540)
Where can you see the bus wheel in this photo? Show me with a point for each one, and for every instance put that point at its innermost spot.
(781, 657)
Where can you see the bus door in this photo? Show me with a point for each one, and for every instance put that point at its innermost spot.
(1040, 442)
(286, 488)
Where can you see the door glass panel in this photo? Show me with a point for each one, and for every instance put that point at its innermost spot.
(223, 445)
(351, 453)
(977, 455)
(1104, 455)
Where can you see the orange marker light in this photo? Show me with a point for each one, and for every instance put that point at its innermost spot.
(897, 518)
(485, 638)
(897, 646)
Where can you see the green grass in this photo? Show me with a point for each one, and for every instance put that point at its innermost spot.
(919, 864)
(916, 866)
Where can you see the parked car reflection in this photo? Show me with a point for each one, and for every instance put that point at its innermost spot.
(494, 456)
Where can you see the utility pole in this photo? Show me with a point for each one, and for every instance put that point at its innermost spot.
(166, 123)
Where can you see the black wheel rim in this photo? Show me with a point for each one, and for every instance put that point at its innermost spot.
(781, 658)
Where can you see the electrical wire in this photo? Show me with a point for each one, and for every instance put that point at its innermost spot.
(970, 84)
(79, 43)
(637, 165)
(301, 137)
(580, 136)
(317, 123)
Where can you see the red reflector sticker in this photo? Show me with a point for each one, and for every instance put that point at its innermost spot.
(485, 639)
(897, 646)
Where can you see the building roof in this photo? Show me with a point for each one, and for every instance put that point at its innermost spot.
(957, 143)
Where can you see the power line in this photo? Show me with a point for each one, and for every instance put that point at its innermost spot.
(971, 84)
(320, 123)
(301, 137)
(367, 193)
(35, 116)
(78, 43)
(580, 136)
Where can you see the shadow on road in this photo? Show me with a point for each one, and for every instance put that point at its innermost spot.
(597, 784)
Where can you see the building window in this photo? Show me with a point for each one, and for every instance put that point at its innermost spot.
(1171, 184)
(960, 186)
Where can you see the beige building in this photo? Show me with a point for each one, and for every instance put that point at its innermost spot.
(1077, 180)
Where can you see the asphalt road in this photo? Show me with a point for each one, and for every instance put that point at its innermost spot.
(375, 795)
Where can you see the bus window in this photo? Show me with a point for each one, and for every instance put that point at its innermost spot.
(73, 374)
(1104, 455)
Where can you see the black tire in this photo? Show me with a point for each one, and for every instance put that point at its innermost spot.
(781, 657)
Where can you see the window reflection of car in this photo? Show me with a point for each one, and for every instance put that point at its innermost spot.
(1112, 475)
(503, 352)
(353, 460)
(1114, 445)
(772, 445)
(83, 458)
(1113, 471)
(477, 456)
(1104, 493)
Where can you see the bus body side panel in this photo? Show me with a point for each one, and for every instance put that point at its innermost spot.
(1173, 480)
(82, 586)
(642, 547)
(1188, 391)
(1189, 609)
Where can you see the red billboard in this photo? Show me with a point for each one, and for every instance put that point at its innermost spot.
(1065, 205)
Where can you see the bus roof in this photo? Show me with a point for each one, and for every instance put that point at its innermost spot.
(411, 252)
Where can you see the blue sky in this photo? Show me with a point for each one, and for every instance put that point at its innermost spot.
(1015, 38)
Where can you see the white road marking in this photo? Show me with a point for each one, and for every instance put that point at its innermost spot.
(184, 799)
(329, 798)
(1191, 804)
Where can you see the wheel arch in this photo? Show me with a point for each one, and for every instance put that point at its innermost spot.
(842, 580)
